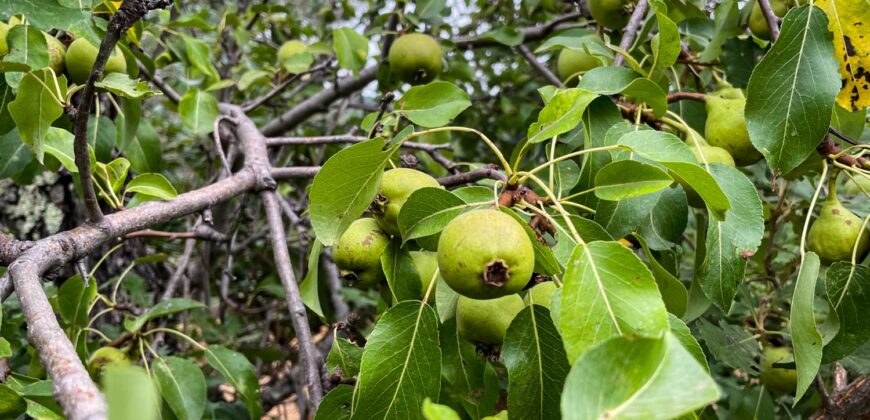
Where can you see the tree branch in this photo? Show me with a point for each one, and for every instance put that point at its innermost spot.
(533, 61)
(631, 30)
(770, 17)
(487, 172)
(307, 141)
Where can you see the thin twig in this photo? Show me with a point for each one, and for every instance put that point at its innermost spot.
(533, 61)
(252, 105)
(770, 17)
(631, 30)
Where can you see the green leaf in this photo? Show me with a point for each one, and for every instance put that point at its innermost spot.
(164, 308)
(673, 292)
(731, 345)
(613, 80)
(608, 292)
(74, 300)
(730, 241)
(619, 218)
(308, 289)
(351, 48)
(153, 185)
(59, 143)
(182, 385)
(628, 178)
(467, 374)
(345, 187)
(336, 404)
(198, 110)
(627, 377)
(432, 411)
(144, 150)
(344, 358)
(561, 115)
(682, 333)
(726, 25)
(848, 290)
(666, 43)
(130, 393)
(11, 404)
(5, 348)
(434, 104)
(401, 365)
(402, 276)
(7, 95)
(122, 85)
(27, 47)
(34, 109)
(704, 184)
(536, 364)
(792, 90)
(101, 137)
(199, 54)
(802, 324)
(667, 221)
(114, 173)
(48, 14)
(429, 9)
(428, 210)
(14, 155)
(657, 146)
(505, 35)
(239, 372)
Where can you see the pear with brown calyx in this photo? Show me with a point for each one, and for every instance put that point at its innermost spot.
(837, 232)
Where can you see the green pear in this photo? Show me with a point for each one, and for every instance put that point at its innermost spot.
(358, 253)
(834, 233)
(415, 58)
(396, 186)
(726, 128)
(485, 254)
(758, 23)
(777, 380)
(426, 263)
(105, 356)
(540, 294)
(56, 53)
(4, 32)
(572, 63)
(486, 321)
(857, 185)
(80, 58)
(611, 14)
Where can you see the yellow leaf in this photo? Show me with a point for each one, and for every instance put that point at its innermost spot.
(848, 20)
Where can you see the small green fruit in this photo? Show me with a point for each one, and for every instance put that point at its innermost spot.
(396, 186)
(426, 263)
(486, 321)
(105, 356)
(358, 253)
(728, 92)
(4, 46)
(857, 185)
(289, 49)
(540, 294)
(757, 22)
(777, 380)
(834, 234)
(611, 14)
(56, 52)
(80, 58)
(415, 58)
(726, 128)
(572, 63)
(485, 254)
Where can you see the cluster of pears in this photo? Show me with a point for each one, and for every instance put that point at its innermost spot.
(415, 58)
(77, 60)
(485, 255)
(837, 231)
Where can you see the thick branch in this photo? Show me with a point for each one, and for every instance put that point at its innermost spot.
(691, 96)
(631, 29)
(533, 33)
(10, 248)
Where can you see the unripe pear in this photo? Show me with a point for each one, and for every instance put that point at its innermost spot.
(726, 128)
(289, 49)
(573, 62)
(611, 14)
(415, 58)
(777, 380)
(834, 234)
(485, 254)
(540, 294)
(4, 46)
(857, 185)
(703, 153)
(103, 357)
(426, 263)
(757, 22)
(56, 53)
(396, 186)
(80, 58)
(486, 321)
(358, 253)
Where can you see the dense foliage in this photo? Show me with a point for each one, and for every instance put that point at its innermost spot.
(435, 209)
